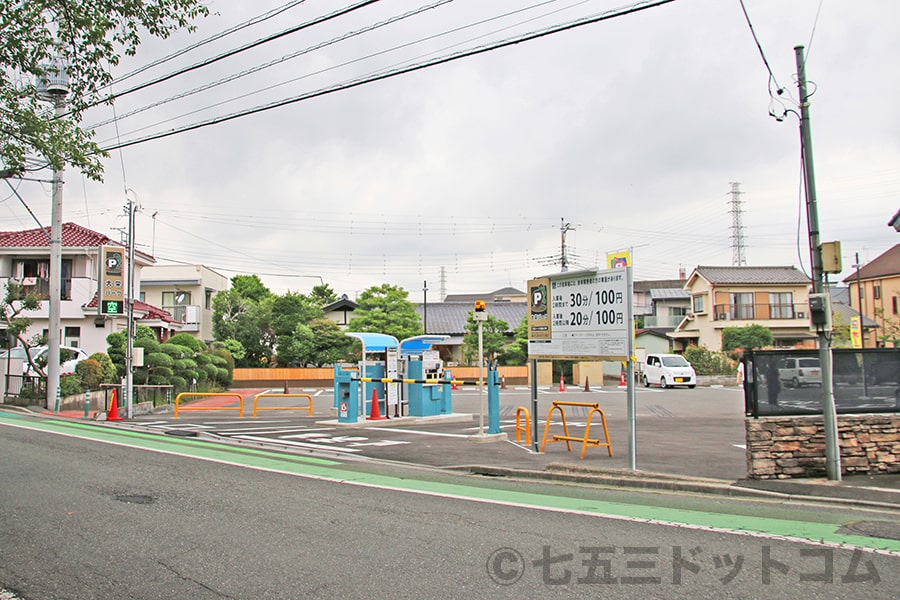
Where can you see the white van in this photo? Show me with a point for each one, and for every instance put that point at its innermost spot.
(668, 370)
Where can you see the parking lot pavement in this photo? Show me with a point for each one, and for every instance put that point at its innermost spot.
(692, 433)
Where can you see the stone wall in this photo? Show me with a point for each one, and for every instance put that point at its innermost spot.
(784, 447)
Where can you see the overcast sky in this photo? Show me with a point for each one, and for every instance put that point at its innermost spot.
(631, 130)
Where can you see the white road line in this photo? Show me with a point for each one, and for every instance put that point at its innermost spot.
(271, 430)
(431, 433)
(254, 438)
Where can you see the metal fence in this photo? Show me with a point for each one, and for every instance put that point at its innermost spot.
(789, 382)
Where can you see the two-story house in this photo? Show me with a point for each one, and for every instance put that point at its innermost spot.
(186, 292)
(25, 258)
(776, 297)
(660, 303)
(877, 284)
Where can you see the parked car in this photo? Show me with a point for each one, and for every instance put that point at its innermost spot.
(668, 370)
(39, 356)
(797, 372)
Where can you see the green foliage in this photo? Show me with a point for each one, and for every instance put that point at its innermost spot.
(233, 348)
(320, 343)
(516, 351)
(386, 309)
(109, 369)
(14, 304)
(70, 385)
(188, 341)
(709, 362)
(322, 295)
(90, 373)
(493, 334)
(748, 337)
(92, 36)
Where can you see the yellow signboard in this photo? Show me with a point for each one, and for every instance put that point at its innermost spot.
(111, 298)
(855, 332)
(615, 260)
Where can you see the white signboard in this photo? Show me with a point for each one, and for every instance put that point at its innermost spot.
(581, 315)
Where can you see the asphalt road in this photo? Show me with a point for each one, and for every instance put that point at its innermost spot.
(132, 515)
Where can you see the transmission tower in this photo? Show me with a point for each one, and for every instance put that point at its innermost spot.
(443, 291)
(738, 257)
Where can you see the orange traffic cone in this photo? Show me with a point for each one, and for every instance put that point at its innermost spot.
(587, 386)
(113, 409)
(376, 410)
(562, 383)
(622, 381)
(453, 385)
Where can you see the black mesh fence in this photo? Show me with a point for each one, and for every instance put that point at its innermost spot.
(789, 382)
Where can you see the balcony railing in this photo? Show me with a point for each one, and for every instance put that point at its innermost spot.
(41, 287)
(663, 320)
(186, 314)
(760, 312)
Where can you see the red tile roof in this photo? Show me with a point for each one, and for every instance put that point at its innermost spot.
(74, 235)
(152, 312)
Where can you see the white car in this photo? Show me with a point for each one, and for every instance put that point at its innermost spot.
(797, 372)
(38, 352)
(668, 370)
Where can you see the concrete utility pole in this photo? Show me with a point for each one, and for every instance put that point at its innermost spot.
(54, 87)
(832, 447)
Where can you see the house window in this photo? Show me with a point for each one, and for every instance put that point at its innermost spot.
(697, 303)
(678, 311)
(72, 337)
(876, 292)
(781, 305)
(175, 302)
(34, 275)
(207, 303)
(742, 305)
(894, 304)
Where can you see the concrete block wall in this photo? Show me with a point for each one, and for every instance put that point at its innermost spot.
(785, 447)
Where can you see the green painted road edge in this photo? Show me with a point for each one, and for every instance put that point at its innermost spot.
(331, 470)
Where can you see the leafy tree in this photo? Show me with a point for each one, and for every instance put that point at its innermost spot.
(13, 306)
(91, 36)
(321, 342)
(386, 309)
(188, 341)
(516, 352)
(233, 348)
(493, 335)
(249, 286)
(322, 295)
(890, 329)
(748, 337)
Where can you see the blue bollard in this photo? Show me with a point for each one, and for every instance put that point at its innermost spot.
(493, 391)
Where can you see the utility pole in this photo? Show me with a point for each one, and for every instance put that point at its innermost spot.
(563, 256)
(54, 86)
(129, 315)
(832, 448)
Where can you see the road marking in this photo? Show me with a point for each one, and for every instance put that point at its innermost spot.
(416, 432)
(810, 533)
(255, 438)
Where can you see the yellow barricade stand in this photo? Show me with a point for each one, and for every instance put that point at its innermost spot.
(586, 440)
(527, 429)
(306, 408)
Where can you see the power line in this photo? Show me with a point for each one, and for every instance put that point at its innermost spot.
(249, 23)
(238, 50)
(274, 62)
(614, 13)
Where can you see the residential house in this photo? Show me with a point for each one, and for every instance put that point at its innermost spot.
(450, 318)
(879, 282)
(340, 311)
(186, 292)
(842, 312)
(776, 297)
(25, 258)
(660, 303)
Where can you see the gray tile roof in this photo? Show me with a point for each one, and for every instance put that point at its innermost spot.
(753, 275)
(670, 294)
(658, 284)
(450, 317)
(487, 296)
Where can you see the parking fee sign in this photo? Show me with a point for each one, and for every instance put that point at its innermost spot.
(580, 315)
